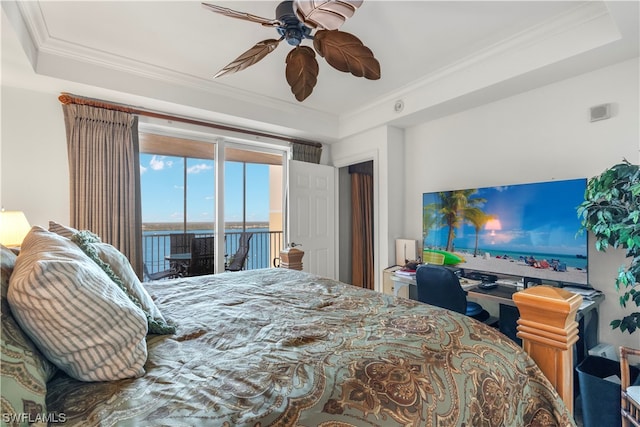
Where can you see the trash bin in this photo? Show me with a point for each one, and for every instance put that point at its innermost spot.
(600, 397)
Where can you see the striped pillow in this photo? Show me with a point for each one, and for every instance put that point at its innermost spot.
(74, 313)
(62, 230)
(122, 268)
(25, 371)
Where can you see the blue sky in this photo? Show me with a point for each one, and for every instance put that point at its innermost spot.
(162, 182)
(536, 218)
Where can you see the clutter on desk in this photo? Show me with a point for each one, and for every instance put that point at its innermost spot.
(409, 269)
(407, 273)
(587, 293)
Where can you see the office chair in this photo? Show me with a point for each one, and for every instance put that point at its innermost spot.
(439, 286)
(630, 394)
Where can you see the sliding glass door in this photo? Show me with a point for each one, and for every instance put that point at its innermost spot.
(253, 206)
(179, 199)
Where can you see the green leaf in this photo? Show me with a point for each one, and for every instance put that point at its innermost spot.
(611, 212)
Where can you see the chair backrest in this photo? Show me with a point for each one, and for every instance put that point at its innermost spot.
(439, 286)
(202, 251)
(630, 394)
(239, 258)
(180, 243)
(432, 258)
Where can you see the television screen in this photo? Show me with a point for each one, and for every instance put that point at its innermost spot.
(525, 230)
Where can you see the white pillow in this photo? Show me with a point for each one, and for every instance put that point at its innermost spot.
(74, 313)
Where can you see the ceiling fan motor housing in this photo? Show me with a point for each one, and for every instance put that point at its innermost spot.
(291, 29)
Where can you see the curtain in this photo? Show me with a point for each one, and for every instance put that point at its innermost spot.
(306, 152)
(362, 230)
(104, 175)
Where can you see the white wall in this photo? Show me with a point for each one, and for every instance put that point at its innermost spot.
(34, 176)
(540, 135)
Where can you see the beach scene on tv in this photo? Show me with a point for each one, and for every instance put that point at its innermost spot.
(524, 230)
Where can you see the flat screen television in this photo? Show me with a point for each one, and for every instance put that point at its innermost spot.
(526, 230)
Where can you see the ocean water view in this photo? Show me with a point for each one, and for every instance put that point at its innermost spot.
(157, 242)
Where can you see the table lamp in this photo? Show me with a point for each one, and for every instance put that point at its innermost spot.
(13, 228)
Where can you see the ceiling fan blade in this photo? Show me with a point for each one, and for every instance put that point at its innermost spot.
(250, 57)
(325, 14)
(302, 71)
(242, 15)
(345, 52)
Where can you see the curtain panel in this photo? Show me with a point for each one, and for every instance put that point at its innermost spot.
(362, 230)
(104, 172)
(306, 153)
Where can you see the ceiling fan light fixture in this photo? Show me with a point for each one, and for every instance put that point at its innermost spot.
(341, 50)
(292, 29)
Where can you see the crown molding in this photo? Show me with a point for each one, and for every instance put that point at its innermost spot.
(51, 56)
(584, 28)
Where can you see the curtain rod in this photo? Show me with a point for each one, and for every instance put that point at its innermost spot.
(68, 98)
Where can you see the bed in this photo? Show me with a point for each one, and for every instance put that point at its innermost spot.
(286, 348)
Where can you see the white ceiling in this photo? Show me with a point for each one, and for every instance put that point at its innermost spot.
(437, 57)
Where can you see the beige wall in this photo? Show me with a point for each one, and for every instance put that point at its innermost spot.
(275, 207)
(34, 175)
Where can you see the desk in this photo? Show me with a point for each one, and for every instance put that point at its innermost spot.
(587, 316)
(180, 263)
(400, 281)
(501, 294)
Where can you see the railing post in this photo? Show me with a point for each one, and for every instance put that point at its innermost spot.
(291, 258)
(548, 330)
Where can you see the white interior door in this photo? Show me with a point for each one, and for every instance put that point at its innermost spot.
(312, 215)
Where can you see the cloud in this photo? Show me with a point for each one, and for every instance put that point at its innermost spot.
(158, 163)
(142, 169)
(199, 168)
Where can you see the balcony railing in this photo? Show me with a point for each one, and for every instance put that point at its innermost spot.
(263, 248)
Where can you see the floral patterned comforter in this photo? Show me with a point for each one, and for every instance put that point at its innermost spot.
(281, 347)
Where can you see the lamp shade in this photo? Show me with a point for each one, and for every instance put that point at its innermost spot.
(13, 228)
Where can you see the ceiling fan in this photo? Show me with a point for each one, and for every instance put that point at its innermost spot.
(296, 21)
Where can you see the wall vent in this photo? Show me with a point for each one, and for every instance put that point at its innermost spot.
(600, 112)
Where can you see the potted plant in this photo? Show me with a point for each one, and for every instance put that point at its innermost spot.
(611, 211)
